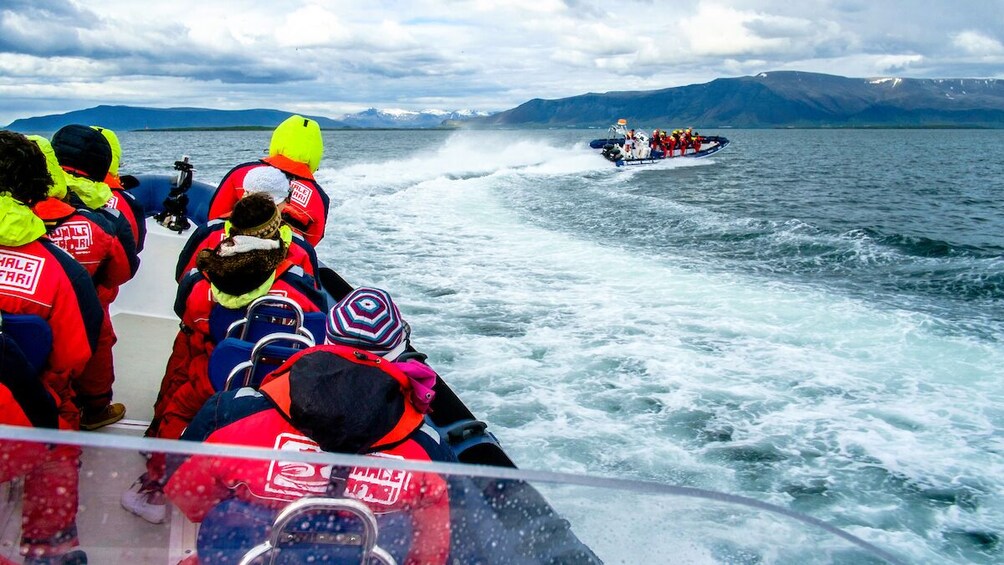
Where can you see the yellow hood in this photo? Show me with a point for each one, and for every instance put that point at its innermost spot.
(20, 225)
(113, 141)
(58, 188)
(299, 139)
(93, 194)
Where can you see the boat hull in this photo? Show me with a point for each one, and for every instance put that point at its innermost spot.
(712, 144)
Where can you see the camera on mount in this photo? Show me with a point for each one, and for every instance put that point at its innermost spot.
(185, 169)
(175, 207)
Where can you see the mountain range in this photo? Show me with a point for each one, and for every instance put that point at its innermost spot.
(778, 99)
(766, 100)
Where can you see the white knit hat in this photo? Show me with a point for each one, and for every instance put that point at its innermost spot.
(269, 180)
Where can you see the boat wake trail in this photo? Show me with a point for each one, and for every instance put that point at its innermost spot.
(468, 155)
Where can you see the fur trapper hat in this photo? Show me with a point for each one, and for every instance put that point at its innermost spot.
(254, 249)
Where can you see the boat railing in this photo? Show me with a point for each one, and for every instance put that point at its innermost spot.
(617, 519)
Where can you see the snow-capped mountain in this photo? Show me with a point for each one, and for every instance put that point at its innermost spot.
(395, 118)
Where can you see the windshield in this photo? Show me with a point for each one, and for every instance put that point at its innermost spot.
(395, 511)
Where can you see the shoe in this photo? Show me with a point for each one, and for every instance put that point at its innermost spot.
(75, 557)
(145, 498)
(110, 414)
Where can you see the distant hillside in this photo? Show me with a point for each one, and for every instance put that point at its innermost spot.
(777, 99)
(126, 118)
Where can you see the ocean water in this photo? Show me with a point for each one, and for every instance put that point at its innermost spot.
(811, 318)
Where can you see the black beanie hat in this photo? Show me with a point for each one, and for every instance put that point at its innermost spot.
(83, 151)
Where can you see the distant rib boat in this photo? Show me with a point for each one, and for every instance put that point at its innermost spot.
(614, 147)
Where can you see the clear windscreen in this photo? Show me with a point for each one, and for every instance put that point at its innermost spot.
(226, 504)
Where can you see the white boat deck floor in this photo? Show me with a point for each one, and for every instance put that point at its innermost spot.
(140, 363)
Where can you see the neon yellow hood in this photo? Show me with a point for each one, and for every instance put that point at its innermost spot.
(58, 188)
(20, 225)
(113, 141)
(93, 194)
(299, 139)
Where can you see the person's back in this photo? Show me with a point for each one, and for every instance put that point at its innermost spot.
(37, 277)
(328, 398)
(249, 264)
(86, 156)
(274, 183)
(296, 149)
(100, 240)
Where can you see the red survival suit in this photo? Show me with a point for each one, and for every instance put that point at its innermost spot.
(307, 209)
(48, 518)
(365, 410)
(90, 239)
(38, 278)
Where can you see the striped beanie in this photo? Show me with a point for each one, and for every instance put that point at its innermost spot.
(367, 318)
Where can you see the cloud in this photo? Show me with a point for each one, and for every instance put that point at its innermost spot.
(976, 43)
(478, 54)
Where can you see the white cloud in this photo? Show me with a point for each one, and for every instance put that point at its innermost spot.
(976, 43)
(313, 26)
(465, 54)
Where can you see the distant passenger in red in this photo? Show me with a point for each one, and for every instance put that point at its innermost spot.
(121, 199)
(296, 149)
(85, 156)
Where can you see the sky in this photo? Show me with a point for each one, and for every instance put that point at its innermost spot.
(329, 58)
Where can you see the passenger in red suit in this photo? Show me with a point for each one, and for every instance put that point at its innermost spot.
(39, 278)
(121, 199)
(296, 149)
(91, 240)
(48, 517)
(364, 408)
(273, 182)
(86, 156)
(247, 265)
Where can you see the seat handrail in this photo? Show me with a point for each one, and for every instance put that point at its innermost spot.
(371, 551)
(276, 337)
(272, 300)
(249, 367)
(244, 367)
(240, 327)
